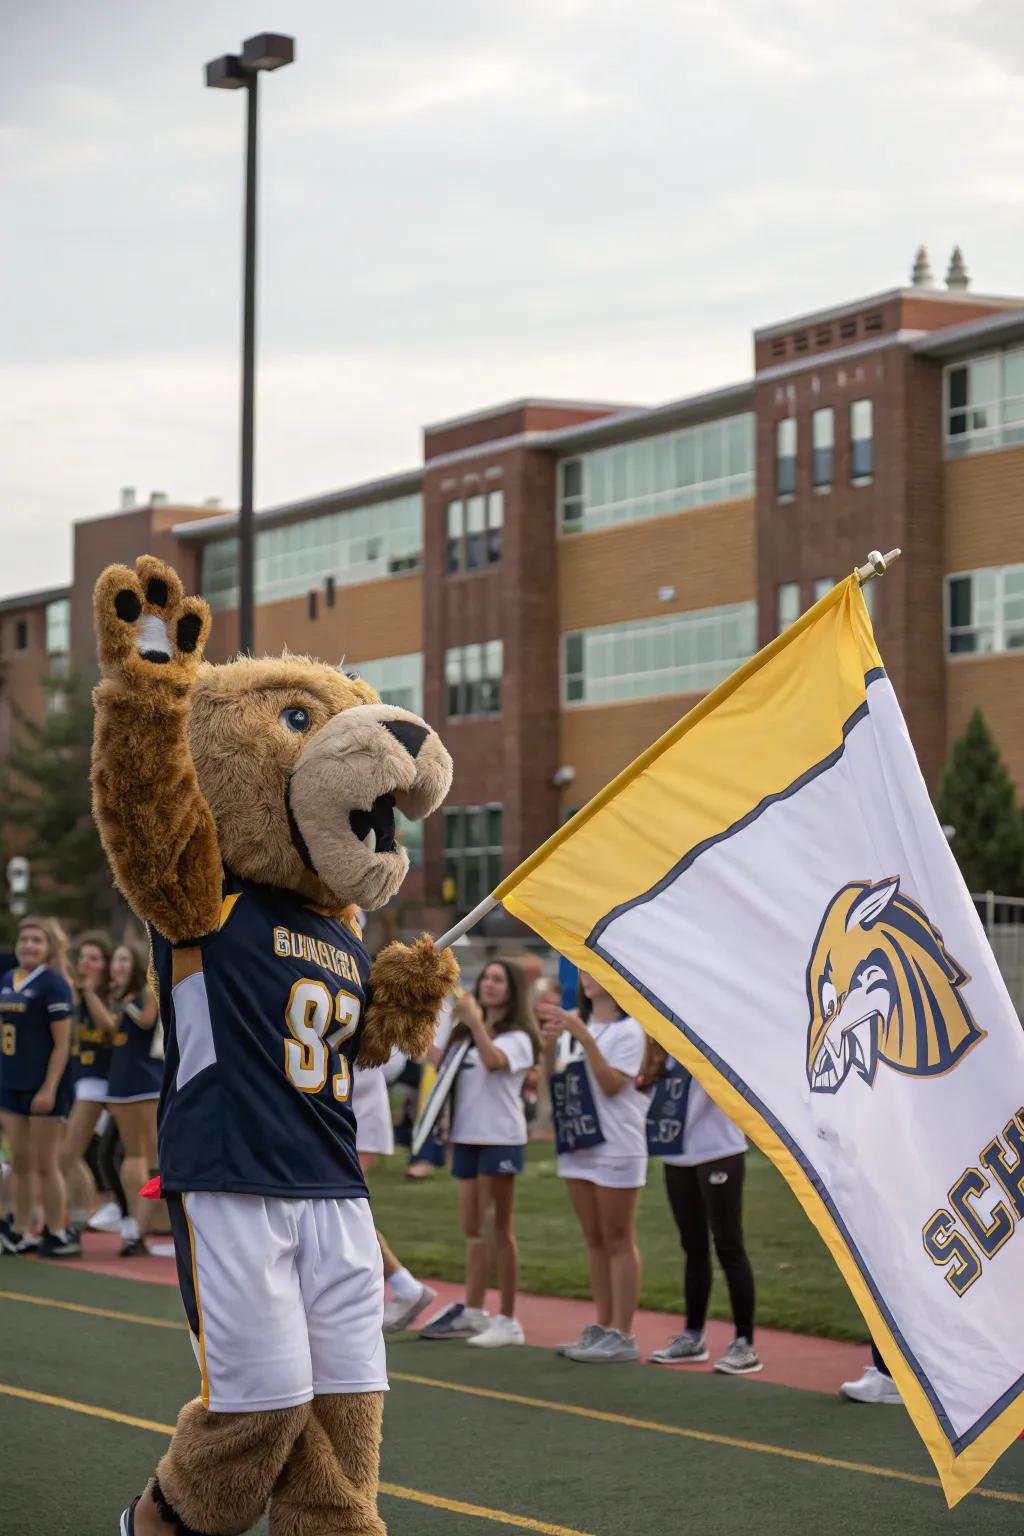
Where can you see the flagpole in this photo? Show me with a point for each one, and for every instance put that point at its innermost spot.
(876, 565)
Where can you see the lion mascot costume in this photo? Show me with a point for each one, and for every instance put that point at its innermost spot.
(246, 810)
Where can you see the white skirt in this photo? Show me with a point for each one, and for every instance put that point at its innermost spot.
(371, 1106)
(92, 1089)
(594, 1165)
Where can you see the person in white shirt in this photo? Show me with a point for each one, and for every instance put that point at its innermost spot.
(705, 1160)
(488, 1136)
(600, 1124)
(375, 1137)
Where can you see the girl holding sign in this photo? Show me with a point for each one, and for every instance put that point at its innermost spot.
(594, 1055)
(488, 1134)
(704, 1155)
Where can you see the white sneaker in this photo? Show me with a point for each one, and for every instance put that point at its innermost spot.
(402, 1314)
(873, 1387)
(500, 1330)
(107, 1219)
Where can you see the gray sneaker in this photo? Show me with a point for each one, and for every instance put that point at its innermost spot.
(399, 1315)
(590, 1335)
(612, 1348)
(687, 1348)
(739, 1360)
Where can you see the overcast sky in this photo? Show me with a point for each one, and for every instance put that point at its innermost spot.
(463, 201)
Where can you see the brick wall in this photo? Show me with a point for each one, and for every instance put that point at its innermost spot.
(995, 685)
(984, 497)
(614, 574)
(367, 621)
(599, 740)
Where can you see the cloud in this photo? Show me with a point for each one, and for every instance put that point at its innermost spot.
(459, 203)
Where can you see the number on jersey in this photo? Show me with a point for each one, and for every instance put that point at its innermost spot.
(8, 1039)
(311, 1012)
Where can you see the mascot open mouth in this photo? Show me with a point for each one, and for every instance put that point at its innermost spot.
(375, 828)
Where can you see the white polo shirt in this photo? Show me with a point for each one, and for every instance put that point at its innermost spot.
(489, 1105)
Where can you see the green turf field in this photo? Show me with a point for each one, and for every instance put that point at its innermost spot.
(529, 1441)
(798, 1285)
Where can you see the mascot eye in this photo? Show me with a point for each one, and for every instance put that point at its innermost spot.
(295, 719)
(828, 999)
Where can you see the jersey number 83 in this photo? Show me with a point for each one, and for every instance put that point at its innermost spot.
(310, 1013)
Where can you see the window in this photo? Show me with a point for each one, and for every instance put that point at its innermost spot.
(472, 852)
(787, 605)
(58, 627)
(361, 544)
(862, 446)
(680, 653)
(398, 679)
(785, 456)
(21, 634)
(822, 587)
(474, 531)
(985, 611)
(630, 482)
(823, 451)
(473, 679)
(985, 402)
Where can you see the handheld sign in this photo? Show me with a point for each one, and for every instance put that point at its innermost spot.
(577, 1122)
(666, 1116)
(439, 1095)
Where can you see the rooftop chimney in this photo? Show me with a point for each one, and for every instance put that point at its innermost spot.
(957, 277)
(158, 498)
(921, 273)
(127, 498)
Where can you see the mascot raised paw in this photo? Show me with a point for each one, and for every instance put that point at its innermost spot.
(246, 809)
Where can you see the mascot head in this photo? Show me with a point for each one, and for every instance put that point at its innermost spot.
(881, 987)
(303, 768)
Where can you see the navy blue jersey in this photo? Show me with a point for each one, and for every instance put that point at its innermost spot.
(91, 1047)
(259, 1047)
(137, 1061)
(29, 1003)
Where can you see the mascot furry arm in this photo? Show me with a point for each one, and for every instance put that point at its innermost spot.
(193, 774)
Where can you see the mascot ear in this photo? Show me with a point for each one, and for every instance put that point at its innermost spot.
(868, 908)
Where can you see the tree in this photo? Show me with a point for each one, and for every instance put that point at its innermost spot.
(44, 792)
(978, 799)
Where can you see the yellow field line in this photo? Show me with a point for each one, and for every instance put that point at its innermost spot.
(76, 1306)
(602, 1416)
(704, 1435)
(391, 1490)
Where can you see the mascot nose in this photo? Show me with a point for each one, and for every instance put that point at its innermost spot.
(411, 736)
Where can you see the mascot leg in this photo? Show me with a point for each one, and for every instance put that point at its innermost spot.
(329, 1483)
(220, 1468)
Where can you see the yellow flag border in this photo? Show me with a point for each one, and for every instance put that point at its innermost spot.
(958, 1472)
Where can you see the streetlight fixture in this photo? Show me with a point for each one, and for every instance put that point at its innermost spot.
(232, 72)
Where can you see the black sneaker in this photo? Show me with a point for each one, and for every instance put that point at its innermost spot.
(134, 1248)
(60, 1245)
(18, 1242)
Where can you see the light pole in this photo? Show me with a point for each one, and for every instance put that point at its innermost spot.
(232, 72)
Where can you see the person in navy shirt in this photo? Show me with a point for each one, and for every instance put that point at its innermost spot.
(35, 1085)
(134, 1082)
(91, 1046)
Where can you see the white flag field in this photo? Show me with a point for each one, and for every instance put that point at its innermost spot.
(768, 891)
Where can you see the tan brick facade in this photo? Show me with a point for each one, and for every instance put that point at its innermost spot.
(995, 685)
(599, 740)
(366, 622)
(984, 498)
(615, 574)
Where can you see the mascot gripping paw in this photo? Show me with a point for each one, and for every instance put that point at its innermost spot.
(244, 808)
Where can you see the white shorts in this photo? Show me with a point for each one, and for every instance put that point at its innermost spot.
(92, 1089)
(594, 1166)
(285, 1298)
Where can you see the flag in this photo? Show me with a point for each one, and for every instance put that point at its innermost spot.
(768, 891)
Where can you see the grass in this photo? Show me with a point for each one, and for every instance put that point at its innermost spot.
(798, 1284)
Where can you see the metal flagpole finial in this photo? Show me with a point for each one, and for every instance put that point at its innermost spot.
(877, 565)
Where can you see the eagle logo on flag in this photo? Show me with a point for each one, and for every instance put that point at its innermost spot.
(881, 986)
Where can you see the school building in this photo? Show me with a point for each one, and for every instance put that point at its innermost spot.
(559, 581)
